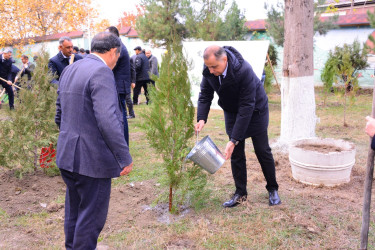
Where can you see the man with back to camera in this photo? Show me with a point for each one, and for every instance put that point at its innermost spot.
(91, 148)
(122, 78)
(63, 58)
(142, 67)
(245, 105)
(6, 74)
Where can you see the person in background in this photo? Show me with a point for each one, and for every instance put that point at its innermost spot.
(27, 67)
(245, 105)
(63, 58)
(82, 52)
(75, 50)
(122, 79)
(6, 74)
(153, 65)
(142, 68)
(91, 148)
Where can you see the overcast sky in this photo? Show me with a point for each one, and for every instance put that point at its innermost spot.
(113, 9)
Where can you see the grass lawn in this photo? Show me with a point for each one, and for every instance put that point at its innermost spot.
(309, 217)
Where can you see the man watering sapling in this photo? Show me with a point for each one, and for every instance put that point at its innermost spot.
(245, 105)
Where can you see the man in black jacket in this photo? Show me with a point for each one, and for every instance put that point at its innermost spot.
(6, 74)
(245, 105)
(142, 67)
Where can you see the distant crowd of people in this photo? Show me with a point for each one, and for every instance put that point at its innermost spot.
(130, 73)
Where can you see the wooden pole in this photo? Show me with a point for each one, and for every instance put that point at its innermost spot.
(12, 83)
(368, 185)
(273, 72)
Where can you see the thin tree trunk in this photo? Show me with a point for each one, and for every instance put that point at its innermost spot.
(345, 109)
(35, 152)
(170, 198)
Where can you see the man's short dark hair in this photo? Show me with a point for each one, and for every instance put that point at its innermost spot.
(104, 42)
(113, 30)
(87, 51)
(62, 39)
(82, 50)
(218, 52)
(25, 56)
(76, 48)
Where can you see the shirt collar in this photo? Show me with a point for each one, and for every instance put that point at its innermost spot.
(99, 57)
(225, 71)
(64, 55)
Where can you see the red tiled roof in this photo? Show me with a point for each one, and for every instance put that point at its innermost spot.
(256, 24)
(57, 36)
(132, 33)
(343, 21)
(125, 30)
(351, 20)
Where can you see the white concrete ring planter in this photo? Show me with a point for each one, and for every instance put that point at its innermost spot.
(317, 168)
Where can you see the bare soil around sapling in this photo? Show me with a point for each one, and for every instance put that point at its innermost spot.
(32, 208)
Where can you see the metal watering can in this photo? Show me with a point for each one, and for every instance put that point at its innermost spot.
(206, 155)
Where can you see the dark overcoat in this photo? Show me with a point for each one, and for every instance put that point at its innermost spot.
(122, 72)
(142, 67)
(241, 96)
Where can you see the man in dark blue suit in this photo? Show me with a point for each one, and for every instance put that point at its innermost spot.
(91, 148)
(6, 74)
(245, 105)
(122, 79)
(65, 57)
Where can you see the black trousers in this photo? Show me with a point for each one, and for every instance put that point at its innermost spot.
(129, 104)
(86, 209)
(9, 90)
(137, 90)
(265, 158)
(123, 109)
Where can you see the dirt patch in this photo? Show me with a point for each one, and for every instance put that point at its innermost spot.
(31, 194)
(321, 148)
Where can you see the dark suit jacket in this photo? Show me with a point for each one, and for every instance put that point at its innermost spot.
(91, 140)
(122, 72)
(5, 69)
(58, 63)
(142, 67)
(241, 96)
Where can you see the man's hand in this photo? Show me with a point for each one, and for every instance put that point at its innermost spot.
(199, 126)
(127, 169)
(370, 126)
(133, 85)
(229, 150)
(9, 83)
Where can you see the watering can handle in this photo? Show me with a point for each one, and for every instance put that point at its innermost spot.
(197, 138)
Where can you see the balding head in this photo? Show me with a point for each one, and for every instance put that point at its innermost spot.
(215, 50)
(215, 58)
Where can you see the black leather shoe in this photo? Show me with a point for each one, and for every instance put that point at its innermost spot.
(236, 199)
(274, 198)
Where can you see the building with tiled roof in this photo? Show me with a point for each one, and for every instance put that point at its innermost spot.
(353, 25)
